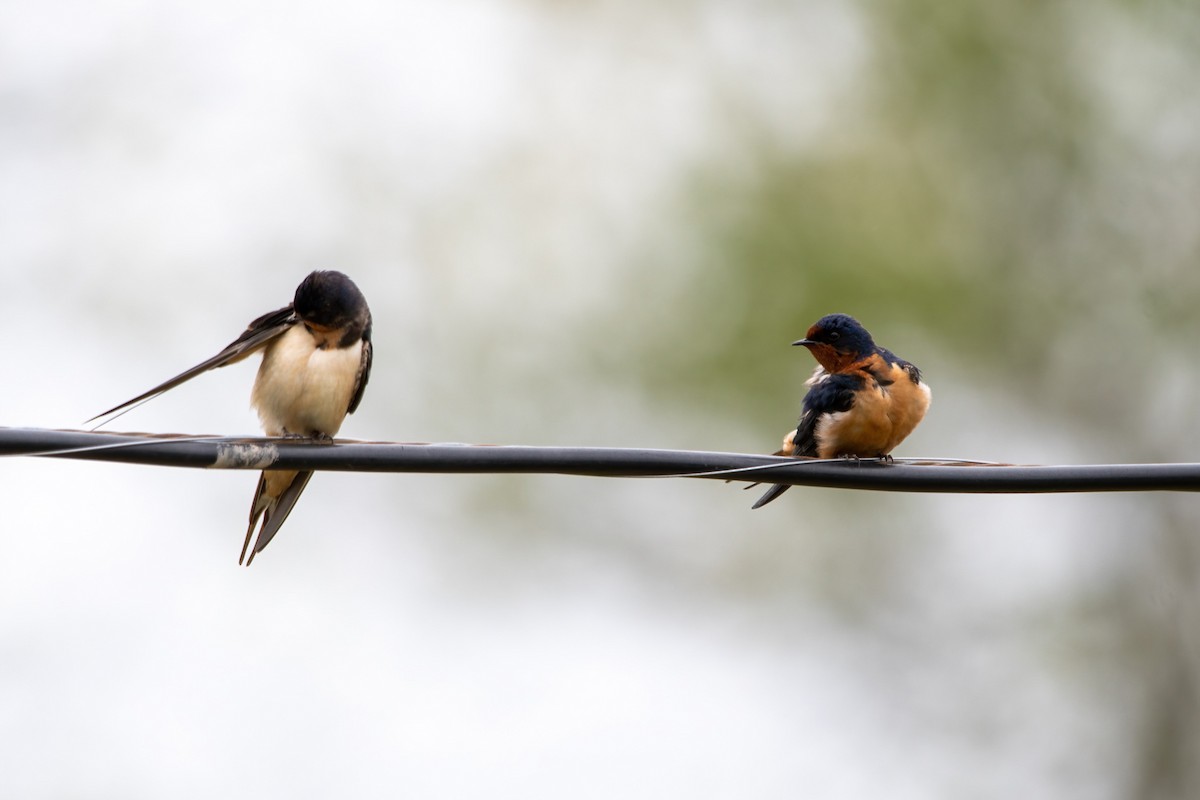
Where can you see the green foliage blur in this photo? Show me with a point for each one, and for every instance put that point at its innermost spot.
(1011, 188)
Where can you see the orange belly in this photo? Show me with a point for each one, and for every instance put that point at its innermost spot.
(881, 418)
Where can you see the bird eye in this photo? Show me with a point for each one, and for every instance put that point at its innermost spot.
(833, 336)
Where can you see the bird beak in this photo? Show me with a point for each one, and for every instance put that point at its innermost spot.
(803, 343)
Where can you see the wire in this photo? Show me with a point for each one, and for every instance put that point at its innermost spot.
(901, 475)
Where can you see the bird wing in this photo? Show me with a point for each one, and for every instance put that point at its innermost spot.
(257, 334)
(830, 393)
(364, 374)
(910, 369)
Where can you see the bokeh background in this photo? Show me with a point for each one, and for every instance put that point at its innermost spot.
(601, 223)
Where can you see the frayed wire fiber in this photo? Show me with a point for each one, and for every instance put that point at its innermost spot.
(903, 475)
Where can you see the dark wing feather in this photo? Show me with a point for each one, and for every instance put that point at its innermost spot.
(830, 395)
(257, 335)
(804, 440)
(364, 374)
(914, 374)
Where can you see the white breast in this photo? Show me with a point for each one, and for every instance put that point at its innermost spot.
(304, 390)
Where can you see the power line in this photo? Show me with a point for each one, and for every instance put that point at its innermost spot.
(902, 475)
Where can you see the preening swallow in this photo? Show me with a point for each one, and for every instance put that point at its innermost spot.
(863, 400)
(315, 366)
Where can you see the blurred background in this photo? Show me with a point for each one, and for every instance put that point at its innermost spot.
(602, 223)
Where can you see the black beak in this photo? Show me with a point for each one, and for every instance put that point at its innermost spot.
(803, 343)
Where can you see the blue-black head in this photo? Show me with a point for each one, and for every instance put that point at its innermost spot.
(836, 339)
(329, 299)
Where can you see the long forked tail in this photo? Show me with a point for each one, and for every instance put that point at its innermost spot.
(770, 494)
(273, 508)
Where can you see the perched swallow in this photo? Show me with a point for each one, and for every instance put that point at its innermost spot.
(315, 366)
(863, 402)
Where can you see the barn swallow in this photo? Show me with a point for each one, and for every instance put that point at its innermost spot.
(316, 362)
(863, 402)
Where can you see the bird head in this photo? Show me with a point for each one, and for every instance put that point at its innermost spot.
(837, 341)
(329, 300)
